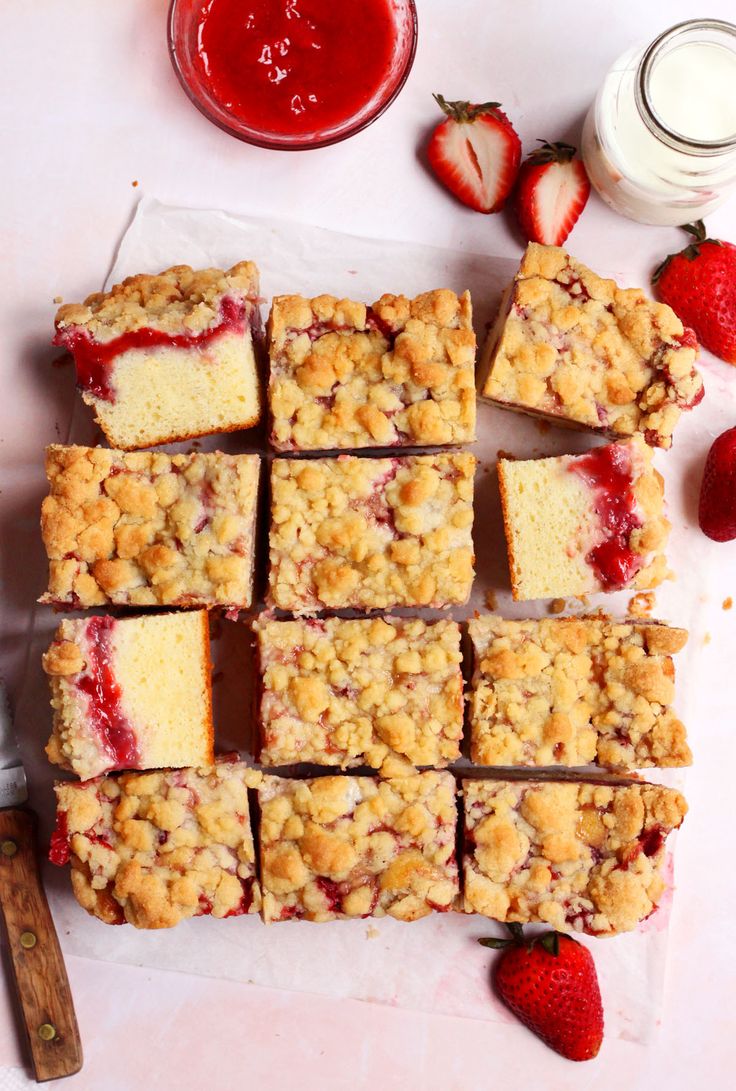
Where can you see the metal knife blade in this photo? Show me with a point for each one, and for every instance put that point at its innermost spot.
(13, 787)
(33, 946)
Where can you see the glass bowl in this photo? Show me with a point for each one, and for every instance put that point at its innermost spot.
(182, 38)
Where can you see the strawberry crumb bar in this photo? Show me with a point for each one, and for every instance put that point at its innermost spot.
(582, 523)
(378, 692)
(168, 357)
(580, 857)
(371, 533)
(153, 849)
(399, 373)
(570, 691)
(581, 351)
(149, 529)
(131, 693)
(344, 846)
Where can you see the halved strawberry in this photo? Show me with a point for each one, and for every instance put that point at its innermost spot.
(475, 152)
(551, 192)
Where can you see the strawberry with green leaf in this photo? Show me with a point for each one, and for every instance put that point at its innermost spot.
(699, 284)
(475, 153)
(549, 981)
(551, 192)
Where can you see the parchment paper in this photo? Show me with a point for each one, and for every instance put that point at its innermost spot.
(433, 964)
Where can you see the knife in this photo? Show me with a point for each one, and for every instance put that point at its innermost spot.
(35, 955)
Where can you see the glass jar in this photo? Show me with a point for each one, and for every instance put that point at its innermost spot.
(659, 142)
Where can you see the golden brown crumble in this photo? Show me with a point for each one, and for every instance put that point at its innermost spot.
(149, 529)
(178, 300)
(371, 533)
(156, 848)
(398, 373)
(572, 346)
(580, 857)
(571, 691)
(360, 692)
(343, 846)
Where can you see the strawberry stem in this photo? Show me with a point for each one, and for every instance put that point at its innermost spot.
(465, 111)
(697, 229)
(691, 252)
(495, 943)
(557, 152)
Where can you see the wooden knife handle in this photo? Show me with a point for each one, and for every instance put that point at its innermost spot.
(38, 965)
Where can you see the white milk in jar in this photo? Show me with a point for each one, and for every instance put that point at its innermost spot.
(659, 142)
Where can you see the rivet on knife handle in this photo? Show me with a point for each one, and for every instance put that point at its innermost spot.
(38, 965)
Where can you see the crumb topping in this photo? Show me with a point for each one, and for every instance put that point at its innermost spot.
(570, 691)
(398, 373)
(371, 533)
(361, 692)
(577, 347)
(156, 848)
(147, 529)
(178, 300)
(344, 846)
(580, 857)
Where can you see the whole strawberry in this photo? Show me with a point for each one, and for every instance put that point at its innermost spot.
(699, 284)
(550, 983)
(717, 510)
(475, 153)
(551, 192)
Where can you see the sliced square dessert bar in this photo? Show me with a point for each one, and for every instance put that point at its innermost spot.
(581, 351)
(149, 529)
(371, 533)
(375, 692)
(399, 373)
(130, 693)
(580, 857)
(168, 357)
(581, 523)
(153, 849)
(569, 691)
(358, 847)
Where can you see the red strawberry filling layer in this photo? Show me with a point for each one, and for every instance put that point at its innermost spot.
(104, 708)
(94, 360)
(60, 848)
(608, 472)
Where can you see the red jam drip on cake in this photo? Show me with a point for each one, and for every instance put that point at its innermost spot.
(105, 697)
(294, 67)
(608, 472)
(94, 359)
(60, 848)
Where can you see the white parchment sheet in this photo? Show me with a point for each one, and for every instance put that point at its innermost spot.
(433, 964)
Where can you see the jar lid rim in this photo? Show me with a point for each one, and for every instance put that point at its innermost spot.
(649, 115)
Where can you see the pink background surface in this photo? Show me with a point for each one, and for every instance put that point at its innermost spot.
(90, 105)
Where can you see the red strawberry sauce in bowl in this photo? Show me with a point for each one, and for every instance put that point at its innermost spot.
(292, 74)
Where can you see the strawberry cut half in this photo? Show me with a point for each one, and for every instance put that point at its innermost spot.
(475, 153)
(551, 192)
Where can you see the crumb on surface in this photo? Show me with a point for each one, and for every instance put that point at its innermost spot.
(727, 603)
(58, 299)
(556, 606)
(491, 599)
(707, 638)
(134, 183)
(641, 605)
(371, 932)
